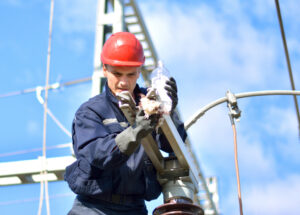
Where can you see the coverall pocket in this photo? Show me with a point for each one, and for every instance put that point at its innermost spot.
(87, 180)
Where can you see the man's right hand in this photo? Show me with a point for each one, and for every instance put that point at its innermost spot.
(129, 139)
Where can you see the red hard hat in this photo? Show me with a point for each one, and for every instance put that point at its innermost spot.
(123, 49)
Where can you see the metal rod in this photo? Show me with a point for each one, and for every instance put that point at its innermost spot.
(202, 111)
(286, 51)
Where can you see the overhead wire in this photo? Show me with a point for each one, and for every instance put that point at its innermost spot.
(49, 112)
(44, 181)
(7, 154)
(58, 123)
(209, 106)
(20, 201)
(50, 87)
(286, 51)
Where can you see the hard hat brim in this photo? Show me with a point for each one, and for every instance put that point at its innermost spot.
(121, 63)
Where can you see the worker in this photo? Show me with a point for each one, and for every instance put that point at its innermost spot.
(112, 173)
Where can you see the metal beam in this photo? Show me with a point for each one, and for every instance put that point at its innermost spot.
(107, 22)
(28, 171)
(180, 149)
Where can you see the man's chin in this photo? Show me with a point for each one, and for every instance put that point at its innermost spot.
(119, 91)
(122, 90)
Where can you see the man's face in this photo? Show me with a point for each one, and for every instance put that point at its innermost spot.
(121, 78)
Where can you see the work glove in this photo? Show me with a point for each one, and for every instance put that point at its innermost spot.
(171, 88)
(129, 139)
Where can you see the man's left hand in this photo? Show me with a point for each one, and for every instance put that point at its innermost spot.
(172, 92)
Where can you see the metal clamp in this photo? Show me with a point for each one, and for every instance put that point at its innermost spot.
(234, 111)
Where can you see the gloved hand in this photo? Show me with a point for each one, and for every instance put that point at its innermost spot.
(143, 125)
(172, 92)
(129, 139)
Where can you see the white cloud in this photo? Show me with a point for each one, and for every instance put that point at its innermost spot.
(218, 49)
(75, 19)
(76, 16)
(14, 2)
(263, 10)
(290, 15)
(284, 123)
(277, 197)
(78, 45)
(33, 127)
(27, 76)
(255, 162)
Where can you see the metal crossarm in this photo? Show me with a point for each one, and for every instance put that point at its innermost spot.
(28, 171)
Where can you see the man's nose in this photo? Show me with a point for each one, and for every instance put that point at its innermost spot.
(124, 81)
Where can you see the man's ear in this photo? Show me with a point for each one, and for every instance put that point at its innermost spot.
(139, 70)
(104, 70)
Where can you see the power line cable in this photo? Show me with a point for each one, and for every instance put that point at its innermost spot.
(204, 109)
(58, 123)
(50, 87)
(286, 51)
(20, 201)
(7, 154)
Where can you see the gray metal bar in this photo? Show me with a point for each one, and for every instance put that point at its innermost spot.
(153, 153)
(179, 148)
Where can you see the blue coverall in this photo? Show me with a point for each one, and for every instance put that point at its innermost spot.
(105, 180)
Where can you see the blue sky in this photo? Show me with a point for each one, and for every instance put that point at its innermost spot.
(209, 47)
